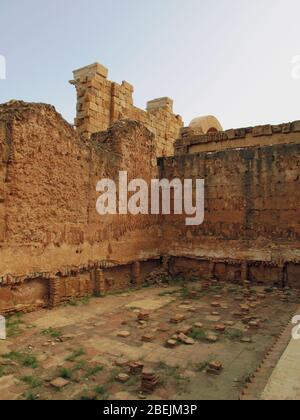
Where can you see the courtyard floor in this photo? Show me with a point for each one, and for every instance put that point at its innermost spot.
(85, 349)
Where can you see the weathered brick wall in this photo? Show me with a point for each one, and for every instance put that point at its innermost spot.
(252, 215)
(4, 157)
(101, 102)
(51, 233)
(54, 246)
(191, 142)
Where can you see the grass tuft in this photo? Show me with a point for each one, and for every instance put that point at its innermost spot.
(65, 373)
(52, 333)
(234, 334)
(25, 359)
(74, 356)
(198, 334)
(32, 381)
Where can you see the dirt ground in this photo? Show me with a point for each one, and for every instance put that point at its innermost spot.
(87, 344)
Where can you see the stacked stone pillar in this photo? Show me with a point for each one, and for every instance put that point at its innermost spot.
(93, 99)
(54, 285)
(101, 102)
(136, 274)
(100, 283)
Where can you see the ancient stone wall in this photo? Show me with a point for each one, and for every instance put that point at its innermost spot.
(55, 247)
(4, 157)
(252, 214)
(100, 103)
(192, 142)
(52, 238)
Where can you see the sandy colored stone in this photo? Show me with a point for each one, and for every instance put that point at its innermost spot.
(124, 334)
(59, 383)
(123, 377)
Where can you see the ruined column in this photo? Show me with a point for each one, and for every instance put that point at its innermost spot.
(136, 273)
(165, 263)
(245, 273)
(93, 99)
(4, 154)
(212, 266)
(54, 285)
(100, 283)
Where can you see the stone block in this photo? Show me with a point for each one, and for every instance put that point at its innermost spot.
(91, 70)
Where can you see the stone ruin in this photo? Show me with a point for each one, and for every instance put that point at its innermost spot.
(54, 246)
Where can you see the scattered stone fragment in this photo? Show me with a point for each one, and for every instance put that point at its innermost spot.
(214, 368)
(237, 315)
(121, 362)
(189, 341)
(149, 381)
(171, 343)
(135, 368)
(215, 304)
(247, 319)
(122, 377)
(216, 365)
(186, 307)
(212, 338)
(8, 363)
(198, 325)
(163, 328)
(67, 337)
(254, 324)
(223, 306)
(59, 383)
(124, 334)
(245, 308)
(220, 327)
(147, 338)
(177, 319)
(143, 316)
(246, 340)
(215, 313)
(185, 329)
(193, 294)
(186, 340)
(192, 309)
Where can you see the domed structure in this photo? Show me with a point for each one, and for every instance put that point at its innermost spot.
(205, 125)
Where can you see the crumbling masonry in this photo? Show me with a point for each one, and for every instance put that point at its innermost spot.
(55, 247)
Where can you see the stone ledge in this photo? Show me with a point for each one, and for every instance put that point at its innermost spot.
(188, 137)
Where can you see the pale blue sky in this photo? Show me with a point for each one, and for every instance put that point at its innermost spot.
(230, 58)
